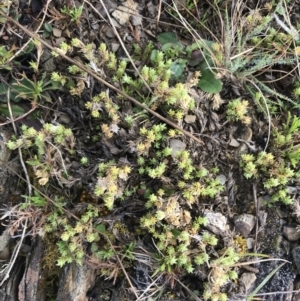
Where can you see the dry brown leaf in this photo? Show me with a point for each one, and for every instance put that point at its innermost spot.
(217, 101)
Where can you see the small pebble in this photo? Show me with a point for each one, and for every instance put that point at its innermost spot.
(217, 223)
(247, 279)
(56, 32)
(291, 233)
(177, 146)
(244, 224)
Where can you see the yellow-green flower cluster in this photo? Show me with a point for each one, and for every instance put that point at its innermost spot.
(101, 101)
(150, 136)
(237, 111)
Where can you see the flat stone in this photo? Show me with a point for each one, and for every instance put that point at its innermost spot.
(234, 143)
(217, 222)
(222, 179)
(291, 233)
(177, 146)
(64, 119)
(115, 23)
(4, 243)
(244, 223)
(250, 243)
(56, 32)
(190, 118)
(247, 279)
(110, 33)
(4, 240)
(59, 41)
(115, 47)
(47, 61)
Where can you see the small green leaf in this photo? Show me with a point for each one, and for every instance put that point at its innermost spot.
(101, 228)
(3, 93)
(94, 248)
(48, 27)
(147, 193)
(176, 233)
(153, 55)
(177, 68)
(33, 162)
(167, 37)
(4, 67)
(30, 47)
(208, 82)
(36, 200)
(16, 110)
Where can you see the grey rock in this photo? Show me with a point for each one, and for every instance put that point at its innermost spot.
(244, 224)
(59, 41)
(110, 33)
(8, 169)
(48, 61)
(250, 243)
(4, 240)
(177, 146)
(217, 222)
(57, 32)
(64, 119)
(292, 189)
(234, 143)
(190, 118)
(247, 279)
(222, 179)
(4, 151)
(115, 47)
(291, 233)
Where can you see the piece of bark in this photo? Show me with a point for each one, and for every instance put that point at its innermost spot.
(31, 286)
(75, 281)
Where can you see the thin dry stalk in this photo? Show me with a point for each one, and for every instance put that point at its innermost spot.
(145, 294)
(61, 157)
(256, 211)
(159, 13)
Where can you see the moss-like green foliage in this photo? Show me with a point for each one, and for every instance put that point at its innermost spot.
(175, 100)
(237, 110)
(46, 145)
(278, 167)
